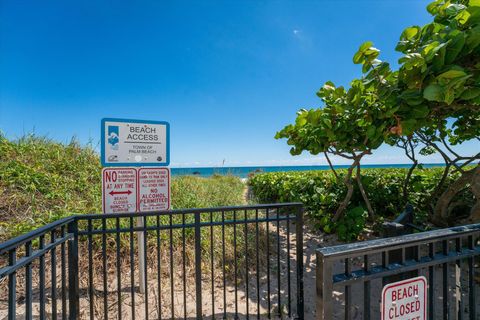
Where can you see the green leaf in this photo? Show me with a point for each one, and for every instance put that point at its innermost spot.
(451, 74)
(371, 131)
(454, 47)
(359, 57)
(470, 93)
(473, 38)
(364, 46)
(409, 126)
(474, 3)
(454, 9)
(420, 111)
(433, 92)
(409, 33)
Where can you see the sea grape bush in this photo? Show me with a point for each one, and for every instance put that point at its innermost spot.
(321, 192)
(431, 99)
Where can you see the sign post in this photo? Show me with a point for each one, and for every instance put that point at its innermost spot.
(153, 195)
(405, 300)
(135, 143)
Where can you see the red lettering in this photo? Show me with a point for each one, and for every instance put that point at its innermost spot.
(111, 176)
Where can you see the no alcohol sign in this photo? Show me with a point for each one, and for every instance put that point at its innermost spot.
(119, 190)
(153, 189)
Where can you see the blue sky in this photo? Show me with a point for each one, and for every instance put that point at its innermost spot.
(226, 74)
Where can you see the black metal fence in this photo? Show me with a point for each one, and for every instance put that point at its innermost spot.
(350, 277)
(228, 262)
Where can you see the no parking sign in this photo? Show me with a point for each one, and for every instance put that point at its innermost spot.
(119, 190)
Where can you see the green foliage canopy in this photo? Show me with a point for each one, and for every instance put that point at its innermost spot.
(435, 93)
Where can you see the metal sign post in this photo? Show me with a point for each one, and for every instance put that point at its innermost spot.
(153, 195)
(135, 143)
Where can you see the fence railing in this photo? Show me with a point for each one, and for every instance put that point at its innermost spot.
(350, 277)
(216, 262)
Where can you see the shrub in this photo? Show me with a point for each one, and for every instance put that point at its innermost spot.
(321, 192)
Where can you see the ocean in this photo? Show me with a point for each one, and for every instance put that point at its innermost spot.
(243, 172)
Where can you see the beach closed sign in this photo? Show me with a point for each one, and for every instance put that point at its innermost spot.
(405, 300)
(135, 143)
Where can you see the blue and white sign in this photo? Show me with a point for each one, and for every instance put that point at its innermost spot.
(135, 143)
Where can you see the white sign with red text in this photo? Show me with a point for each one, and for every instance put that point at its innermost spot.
(119, 190)
(153, 189)
(405, 300)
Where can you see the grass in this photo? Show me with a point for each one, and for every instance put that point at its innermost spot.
(42, 180)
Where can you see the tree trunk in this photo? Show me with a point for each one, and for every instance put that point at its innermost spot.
(407, 181)
(475, 187)
(371, 214)
(348, 182)
(343, 206)
(440, 214)
(433, 196)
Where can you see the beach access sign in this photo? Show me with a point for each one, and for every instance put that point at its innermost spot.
(135, 190)
(127, 142)
(405, 300)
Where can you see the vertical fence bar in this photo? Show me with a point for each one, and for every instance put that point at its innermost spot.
(471, 281)
(445, 281)
(132, 267)
(159, 273)
(63, 276)
(145, 264)
(366, 289)
(348, 292)
(172, 304)
(268, 263)
(279, 269)
(324, 288)
(212, 265)
(246, 264)
(41, 275)
(235, 261)
(53, 255)
(73, 294)
(458, 280)
(184, 268)
(257, 265)
(12, 286)
(385, 263)
(90, 270)
(198, 266)
(28, 283)
(118, 265)
(299, 239)
(223, 267)
(104, 262)
(431, 282)
(289, 286)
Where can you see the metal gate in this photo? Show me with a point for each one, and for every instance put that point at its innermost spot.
(227, 262)
(350, 277)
